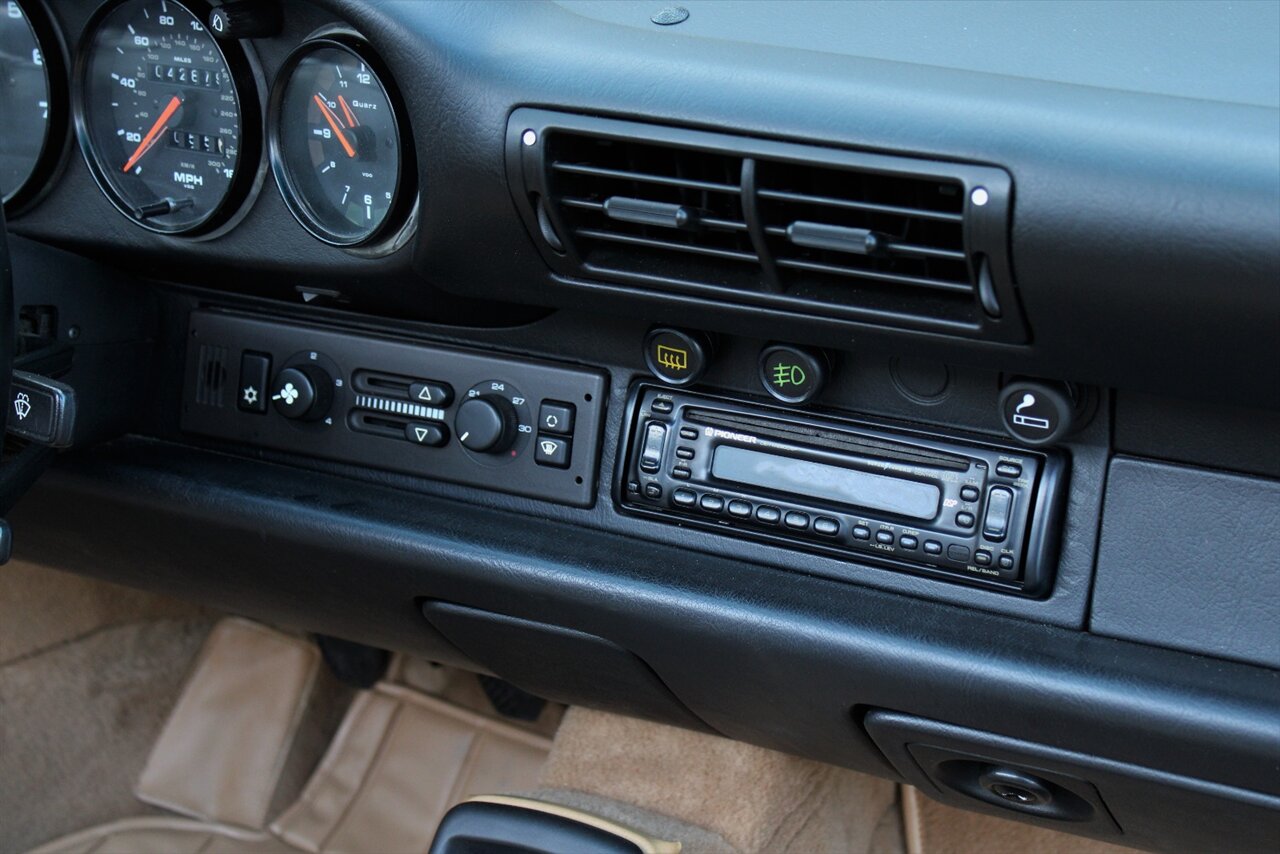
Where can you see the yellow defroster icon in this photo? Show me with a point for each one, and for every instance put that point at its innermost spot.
(673, 358)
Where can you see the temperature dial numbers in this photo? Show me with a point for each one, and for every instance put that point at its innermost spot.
(336, 146)
(493, 422)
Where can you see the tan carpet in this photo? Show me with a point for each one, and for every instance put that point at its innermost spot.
(756, 799)
(78, 722)
(41, 608)
(934, 828)
(88, 673)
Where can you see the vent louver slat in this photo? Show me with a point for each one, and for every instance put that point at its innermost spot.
(889, 240)
(588, 173)
(915, 214)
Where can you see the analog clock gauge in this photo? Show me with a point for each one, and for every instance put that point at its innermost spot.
(336, 143)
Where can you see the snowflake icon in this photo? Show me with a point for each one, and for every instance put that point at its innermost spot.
(250, 395)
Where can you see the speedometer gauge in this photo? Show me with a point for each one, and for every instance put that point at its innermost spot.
(335, 143)
(161, 117)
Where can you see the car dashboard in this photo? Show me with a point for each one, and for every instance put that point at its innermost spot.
(894, 385)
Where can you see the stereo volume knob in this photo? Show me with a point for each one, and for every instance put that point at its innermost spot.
(486, 425)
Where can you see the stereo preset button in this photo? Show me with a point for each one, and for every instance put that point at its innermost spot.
(684, 453)
(688, 433)
(1008, 469)
(421, 433)
(884, 537)
(982, 557)
(999, 504)
(684, 498)
(1006, 561)
(711, 503)
(908, 542)
(960, 554)
(681, 473)
(652, 490)
(861, 532)
(969, 493)
(964, 520)
(655, 441)
(932, 547)
(552, 451)
(768, 515)
(633, 487)
(739, 508)
(556, 417)
(433, 393)
(796, 520)
(826, 526)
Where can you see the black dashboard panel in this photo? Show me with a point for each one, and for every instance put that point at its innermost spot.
(1178, 194)
(1138, 221)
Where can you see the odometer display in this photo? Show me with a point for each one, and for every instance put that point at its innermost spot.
(161, 118)
(336, 144)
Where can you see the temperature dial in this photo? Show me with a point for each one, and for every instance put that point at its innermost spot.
(493, 422)
(486, 424)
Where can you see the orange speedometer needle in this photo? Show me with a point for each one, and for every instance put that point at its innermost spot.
(333, 123)
(346, 111)
(152, 135)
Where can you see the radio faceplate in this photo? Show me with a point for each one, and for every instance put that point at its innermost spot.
(915, 501)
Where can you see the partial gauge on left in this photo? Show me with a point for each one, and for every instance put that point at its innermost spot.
(34, 98)
(168, 121)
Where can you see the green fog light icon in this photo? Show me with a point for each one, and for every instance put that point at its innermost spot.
(784, 375)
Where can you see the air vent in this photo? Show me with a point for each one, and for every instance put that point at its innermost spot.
(666, 212)
(890, 240)
(211, 375)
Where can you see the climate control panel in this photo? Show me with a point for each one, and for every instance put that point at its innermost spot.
(514, 425)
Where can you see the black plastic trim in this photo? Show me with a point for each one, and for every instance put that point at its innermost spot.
(765, 657)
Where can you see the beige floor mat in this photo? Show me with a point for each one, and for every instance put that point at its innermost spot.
(400, 760)
(462, 688)
(166, 835)
(934, 828)
(756, 799)
(224, 746)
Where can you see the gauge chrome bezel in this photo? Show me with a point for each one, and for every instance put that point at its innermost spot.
(244, 78)
(402, 214)
(54, 148)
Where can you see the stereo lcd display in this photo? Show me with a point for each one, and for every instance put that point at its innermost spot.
(834, 483)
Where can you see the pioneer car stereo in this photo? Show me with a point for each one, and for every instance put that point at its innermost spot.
(926, 503)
